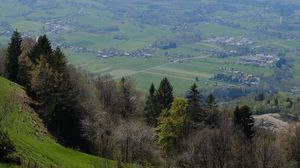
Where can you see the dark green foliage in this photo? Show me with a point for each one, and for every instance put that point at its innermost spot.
(276, 102)
(56, 95)
(65, 118)
(6, 146)
(25, 63)
(212, 111)
(152, 107)
(165, 94)
(13, 53)
(260, 97)
(244, 120)
(58, 60)
(3, 62)
(211, 101)
(23, 76)
(158, 100)
(42, 48)
(196, 115)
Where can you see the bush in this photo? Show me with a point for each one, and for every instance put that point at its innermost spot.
(6, 146)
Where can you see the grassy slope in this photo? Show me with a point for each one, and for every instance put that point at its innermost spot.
(30, 137)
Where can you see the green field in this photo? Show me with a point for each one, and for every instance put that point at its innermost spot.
(93, 25)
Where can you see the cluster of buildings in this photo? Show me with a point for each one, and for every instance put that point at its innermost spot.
(231, 75)
(112, 52)
(262, 60)
(120, 37)
(141, 53)
(57, 27)
(231, 41)
(5, 32)
(178, 57)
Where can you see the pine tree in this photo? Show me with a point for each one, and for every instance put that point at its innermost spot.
(42, 48)
(196, 115)
(66, 116)
(165, 94)
(237, 116)
(25, 64)
(152, 107)
(212, 111)
(244, 120)
(13, 53)
(58, 60)
(211, 101)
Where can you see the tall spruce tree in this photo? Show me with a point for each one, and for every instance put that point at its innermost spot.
(212, 111)
(66, 117)
(196, 115)
(152, 107)
(42, 48)
(211, 101)
(244, 120)
(165, 94)
(25, 63)
(13, 53)
(58, 60)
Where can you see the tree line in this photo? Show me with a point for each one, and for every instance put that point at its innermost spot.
(112, 119)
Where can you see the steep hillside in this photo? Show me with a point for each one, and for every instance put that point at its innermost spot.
(32, 141)
(275, 121)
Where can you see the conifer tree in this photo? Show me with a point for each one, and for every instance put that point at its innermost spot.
(212, 111)
(58, 60)
(152, 107)
(25, 64)
(13, 53)
(66, 116)
(211, 101)
(196, 115)
(165, 94)
(244, 120)
(42, 48)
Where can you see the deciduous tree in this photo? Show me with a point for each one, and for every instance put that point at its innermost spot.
(170, 125)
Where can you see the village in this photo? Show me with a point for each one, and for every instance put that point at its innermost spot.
(230, 41)
(261, 60)
(231, 75)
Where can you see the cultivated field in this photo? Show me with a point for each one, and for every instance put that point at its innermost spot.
(134, 26)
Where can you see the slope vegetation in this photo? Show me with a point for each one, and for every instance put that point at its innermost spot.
(33, 143)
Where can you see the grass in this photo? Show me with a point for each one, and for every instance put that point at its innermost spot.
(25, 26)
(32, 141)
(220, 30)
(154, 69)
(141, 35)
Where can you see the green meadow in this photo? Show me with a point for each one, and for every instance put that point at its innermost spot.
(143, 24)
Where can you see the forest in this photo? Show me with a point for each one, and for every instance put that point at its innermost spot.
(114, 120)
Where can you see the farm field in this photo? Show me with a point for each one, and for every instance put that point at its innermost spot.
(200, 34)
(145, 71)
